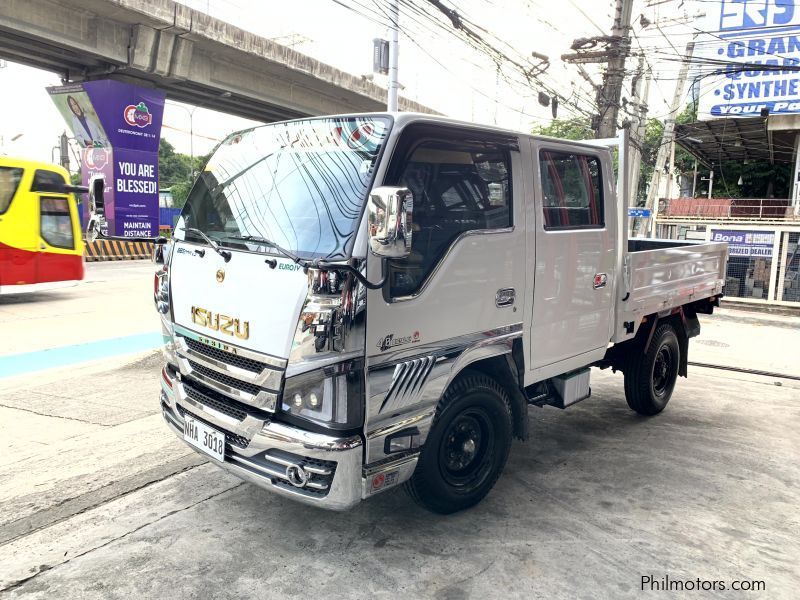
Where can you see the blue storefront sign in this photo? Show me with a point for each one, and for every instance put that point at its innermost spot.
(756, 45)
(746, 243)
(639, 212)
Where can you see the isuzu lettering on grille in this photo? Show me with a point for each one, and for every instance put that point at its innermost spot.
(222, 323)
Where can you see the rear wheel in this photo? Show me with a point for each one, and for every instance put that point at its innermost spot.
(466, 448)
(650, 376)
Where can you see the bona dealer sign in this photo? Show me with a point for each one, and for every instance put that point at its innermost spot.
(760, 42)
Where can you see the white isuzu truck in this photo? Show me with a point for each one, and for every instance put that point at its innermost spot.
(354, 303)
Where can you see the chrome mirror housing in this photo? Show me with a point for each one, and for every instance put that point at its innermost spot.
(97, 209)
(390, 217)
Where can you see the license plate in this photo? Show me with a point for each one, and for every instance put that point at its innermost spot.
(204, 438)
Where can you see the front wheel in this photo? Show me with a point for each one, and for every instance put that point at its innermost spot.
(467, 446)
(650, 376)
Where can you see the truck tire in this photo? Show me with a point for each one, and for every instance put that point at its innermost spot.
(467, 446)
(650, 376)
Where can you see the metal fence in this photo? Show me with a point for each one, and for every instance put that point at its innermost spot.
(728, 209)
(763, 260)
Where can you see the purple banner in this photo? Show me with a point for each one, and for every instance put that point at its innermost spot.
(119, 126)
(135, 186)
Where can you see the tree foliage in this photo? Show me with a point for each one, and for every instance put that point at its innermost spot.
(759, 178)
(577, 128)
(176, 171)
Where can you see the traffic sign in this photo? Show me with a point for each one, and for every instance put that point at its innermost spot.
(639, 212)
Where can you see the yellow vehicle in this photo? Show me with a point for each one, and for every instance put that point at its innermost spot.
(40, 235)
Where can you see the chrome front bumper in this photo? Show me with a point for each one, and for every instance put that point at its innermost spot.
(313, 468)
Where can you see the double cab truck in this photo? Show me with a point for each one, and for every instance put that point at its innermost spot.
(355, 303)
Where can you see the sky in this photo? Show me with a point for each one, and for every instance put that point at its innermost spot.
(436, 68)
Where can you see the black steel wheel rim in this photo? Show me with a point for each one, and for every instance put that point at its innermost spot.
(467, 447)
(663, 370)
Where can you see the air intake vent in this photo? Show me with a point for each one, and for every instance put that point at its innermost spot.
(407, 382)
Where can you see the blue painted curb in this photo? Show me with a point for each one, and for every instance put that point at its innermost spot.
(28, 362)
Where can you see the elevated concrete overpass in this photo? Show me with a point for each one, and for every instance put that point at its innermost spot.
(194, 57)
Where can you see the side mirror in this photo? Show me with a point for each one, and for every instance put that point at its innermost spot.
(390, 216)
(159, 250)
(97, 209)
(97, 203)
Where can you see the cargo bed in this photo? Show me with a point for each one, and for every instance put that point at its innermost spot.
(659, 275)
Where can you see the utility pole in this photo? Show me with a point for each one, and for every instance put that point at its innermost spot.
(608, 96)
(394, 24)
(641, 89)
(64, 151)
(667, 138)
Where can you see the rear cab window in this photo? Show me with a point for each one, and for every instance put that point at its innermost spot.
(572, 190)
(9, 182)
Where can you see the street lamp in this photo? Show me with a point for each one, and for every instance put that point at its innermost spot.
(190, 111)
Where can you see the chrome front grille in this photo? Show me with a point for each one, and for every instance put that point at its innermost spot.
(247, 364)
(231, 372)
(208, 397)
(225, 379)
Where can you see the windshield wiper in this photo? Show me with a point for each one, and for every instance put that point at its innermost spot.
(226, 255)
(265, 242)
(321, 264)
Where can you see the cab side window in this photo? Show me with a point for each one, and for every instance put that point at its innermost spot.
(9, 182)
(456, 188)
(572, 190)
(56, 223)
(47, 181)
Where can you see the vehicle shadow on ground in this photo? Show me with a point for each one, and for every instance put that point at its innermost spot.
(597, 498)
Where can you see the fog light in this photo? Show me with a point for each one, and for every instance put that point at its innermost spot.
(297, 475)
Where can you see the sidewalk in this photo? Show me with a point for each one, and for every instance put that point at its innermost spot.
(746, 339)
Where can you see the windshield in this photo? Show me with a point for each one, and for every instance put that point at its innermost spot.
(301, 185)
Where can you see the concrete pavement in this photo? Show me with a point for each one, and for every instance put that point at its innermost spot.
(99, 500)
(597, 499)
(115, 300)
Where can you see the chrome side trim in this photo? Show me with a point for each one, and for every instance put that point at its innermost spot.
(445, 347)
(389, 410)
(268, 359)
(399, 471)
(311, 364)
(446, 255)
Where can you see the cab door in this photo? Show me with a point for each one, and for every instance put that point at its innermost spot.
(575, 257)
(18, 227)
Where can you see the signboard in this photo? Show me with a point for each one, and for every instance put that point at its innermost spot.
(756, 44)
(639, 212)
(119, 126)
(746, 243)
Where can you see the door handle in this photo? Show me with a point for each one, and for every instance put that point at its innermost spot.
(505, 297)
(600, 280)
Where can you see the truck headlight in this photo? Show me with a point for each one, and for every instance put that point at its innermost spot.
(332, 397)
